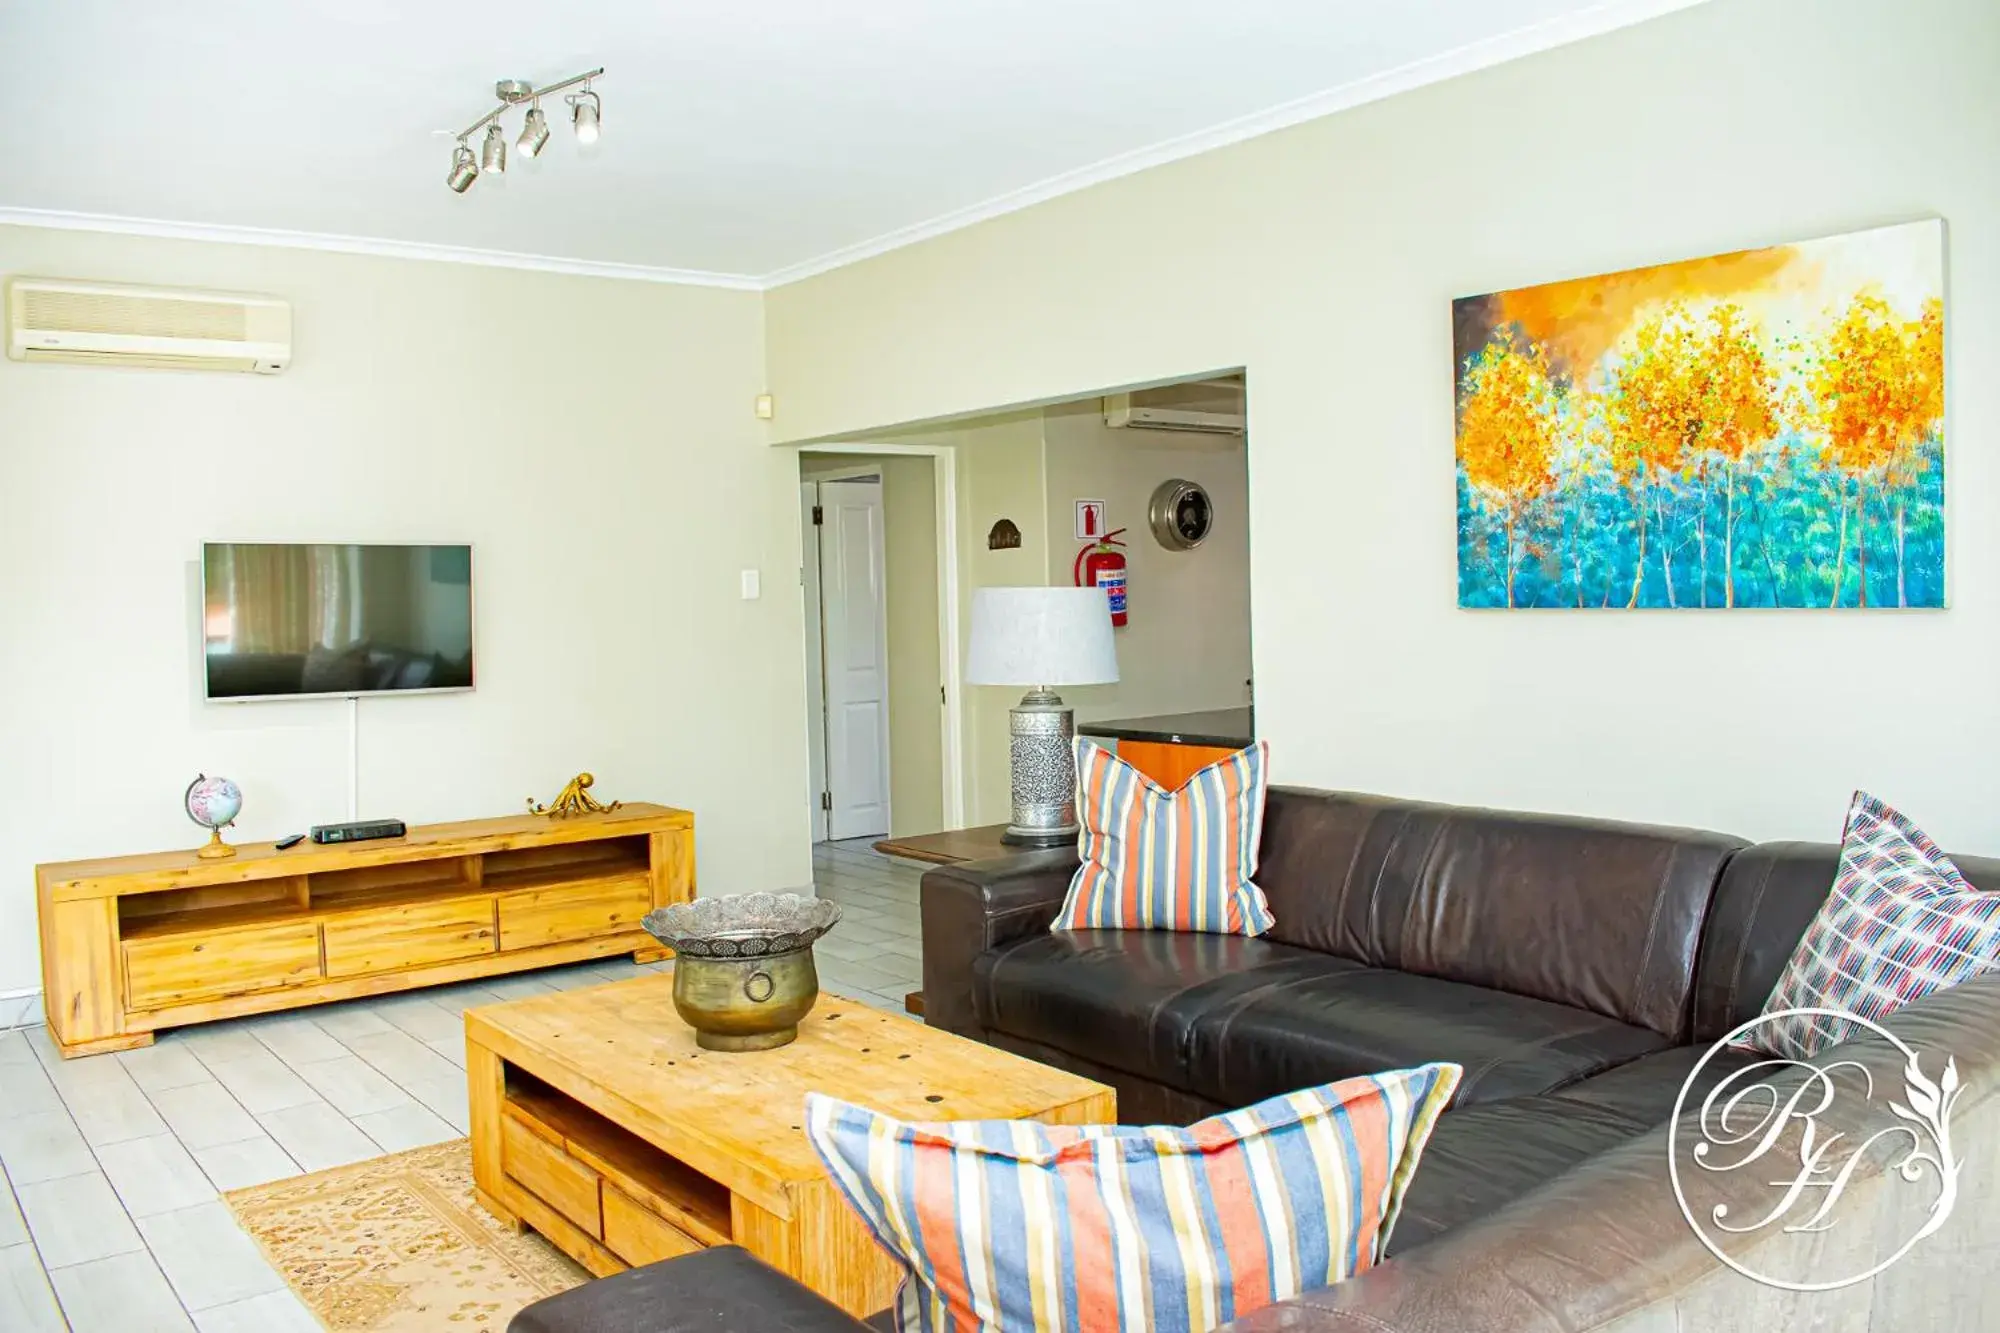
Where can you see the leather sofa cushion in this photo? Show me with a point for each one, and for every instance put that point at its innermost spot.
(1480, 1157)
(1298, 1030)
(1586, 913)
(1643, 1090)
(1125, 998)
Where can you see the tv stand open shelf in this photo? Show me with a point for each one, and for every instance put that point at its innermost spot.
(138, 943)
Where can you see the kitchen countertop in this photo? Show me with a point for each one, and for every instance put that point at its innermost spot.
(1233, 727)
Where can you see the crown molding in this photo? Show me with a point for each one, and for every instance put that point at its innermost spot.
(1470, 58)
(368, 245)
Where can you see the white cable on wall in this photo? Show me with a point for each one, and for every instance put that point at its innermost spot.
(353, 757)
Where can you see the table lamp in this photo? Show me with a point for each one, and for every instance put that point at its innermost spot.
(1041, 637)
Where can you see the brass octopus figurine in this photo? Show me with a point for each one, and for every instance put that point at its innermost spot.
(573, 799)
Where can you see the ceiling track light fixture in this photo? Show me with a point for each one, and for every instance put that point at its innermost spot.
(586, 111)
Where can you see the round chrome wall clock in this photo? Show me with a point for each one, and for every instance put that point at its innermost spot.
(1181, 514)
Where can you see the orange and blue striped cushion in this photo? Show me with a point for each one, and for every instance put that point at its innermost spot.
(1168, 860)
(1016, 1225)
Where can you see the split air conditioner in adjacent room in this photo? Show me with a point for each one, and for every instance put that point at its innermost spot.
(97, 323)
(1197, 407)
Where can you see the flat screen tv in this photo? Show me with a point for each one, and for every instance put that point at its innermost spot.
(284, 621)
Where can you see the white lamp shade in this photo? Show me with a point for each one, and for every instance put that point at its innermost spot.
(1041, 636)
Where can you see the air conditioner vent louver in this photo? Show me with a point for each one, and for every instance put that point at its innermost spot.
(140, 317)
(155, 361)
(93, 323)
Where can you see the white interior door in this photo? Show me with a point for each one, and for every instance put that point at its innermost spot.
(855, 636)
(809, 581)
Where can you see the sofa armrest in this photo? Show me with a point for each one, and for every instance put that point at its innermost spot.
(1604, 1248)
(979, 905)
(719, 1290)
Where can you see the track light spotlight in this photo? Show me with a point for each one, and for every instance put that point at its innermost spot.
(534, 133)
(585, 111)
(493, 154)
(464, 170)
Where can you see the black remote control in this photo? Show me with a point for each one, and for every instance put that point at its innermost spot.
(292, 841)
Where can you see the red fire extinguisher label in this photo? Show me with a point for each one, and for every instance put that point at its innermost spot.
(1113, 583)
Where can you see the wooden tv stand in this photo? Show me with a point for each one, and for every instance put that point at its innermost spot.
(133, 944)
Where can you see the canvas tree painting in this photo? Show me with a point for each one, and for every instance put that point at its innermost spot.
(1757, 429)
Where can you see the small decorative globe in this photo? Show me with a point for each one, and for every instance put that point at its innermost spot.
(213, 803)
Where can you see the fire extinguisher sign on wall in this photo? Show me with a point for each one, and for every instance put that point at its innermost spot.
(1090, 520)
(1102, 565)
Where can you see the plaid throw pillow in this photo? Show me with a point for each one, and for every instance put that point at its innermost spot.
(1168, 860)
(1011, 1224)
(1900, 923)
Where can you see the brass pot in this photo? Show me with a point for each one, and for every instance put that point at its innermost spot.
(743, 966)
(746, 1004)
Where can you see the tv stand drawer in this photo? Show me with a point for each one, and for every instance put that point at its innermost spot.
(532, 917)
(177, 969)
(409, 936)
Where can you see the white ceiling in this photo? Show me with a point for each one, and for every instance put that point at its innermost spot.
(743, 141)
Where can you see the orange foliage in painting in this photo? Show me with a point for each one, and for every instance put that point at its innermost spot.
(1690, 388)
(1507, 432)
(1879, 390)
(1692, 393)
(1506, 429)
(1880, 385)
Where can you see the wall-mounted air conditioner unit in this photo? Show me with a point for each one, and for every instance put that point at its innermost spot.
(1196, 408)
(98, 323)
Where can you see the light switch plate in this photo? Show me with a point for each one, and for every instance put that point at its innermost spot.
(752, 585)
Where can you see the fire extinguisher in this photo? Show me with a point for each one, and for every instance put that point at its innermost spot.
(1102, 565)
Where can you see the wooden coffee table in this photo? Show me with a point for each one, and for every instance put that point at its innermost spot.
(597, 1121)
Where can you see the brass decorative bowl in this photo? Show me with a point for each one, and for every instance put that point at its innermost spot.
(743, 966)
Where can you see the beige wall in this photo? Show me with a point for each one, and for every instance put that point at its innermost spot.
(910, 557)
(1324, 259)
(1000, 476)
(1186, 644)
(593, 440)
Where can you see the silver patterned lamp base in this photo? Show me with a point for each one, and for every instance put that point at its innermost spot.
(1041, 733)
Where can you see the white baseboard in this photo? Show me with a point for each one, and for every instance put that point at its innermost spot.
(20, 1009)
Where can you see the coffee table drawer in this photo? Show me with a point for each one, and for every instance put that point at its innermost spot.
(551, 1175)
(393, 938)
(534, 917)
(178, 969)
(639, 1236)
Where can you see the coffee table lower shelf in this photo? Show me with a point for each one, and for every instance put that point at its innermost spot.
(612, 1201)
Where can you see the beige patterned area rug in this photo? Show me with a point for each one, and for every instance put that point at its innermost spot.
(399, 1245)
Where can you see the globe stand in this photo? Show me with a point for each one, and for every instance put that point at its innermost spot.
(217, 848)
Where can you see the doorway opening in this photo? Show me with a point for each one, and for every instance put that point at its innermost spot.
(880, 605)
(1147, 481)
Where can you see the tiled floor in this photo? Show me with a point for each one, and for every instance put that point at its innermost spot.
(873, 953)
(112, 1167)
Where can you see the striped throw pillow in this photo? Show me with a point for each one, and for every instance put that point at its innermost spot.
(1011, 1224)
(1899, 923)
(1168, 860)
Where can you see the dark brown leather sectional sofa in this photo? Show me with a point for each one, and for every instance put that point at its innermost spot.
(1577, 969)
